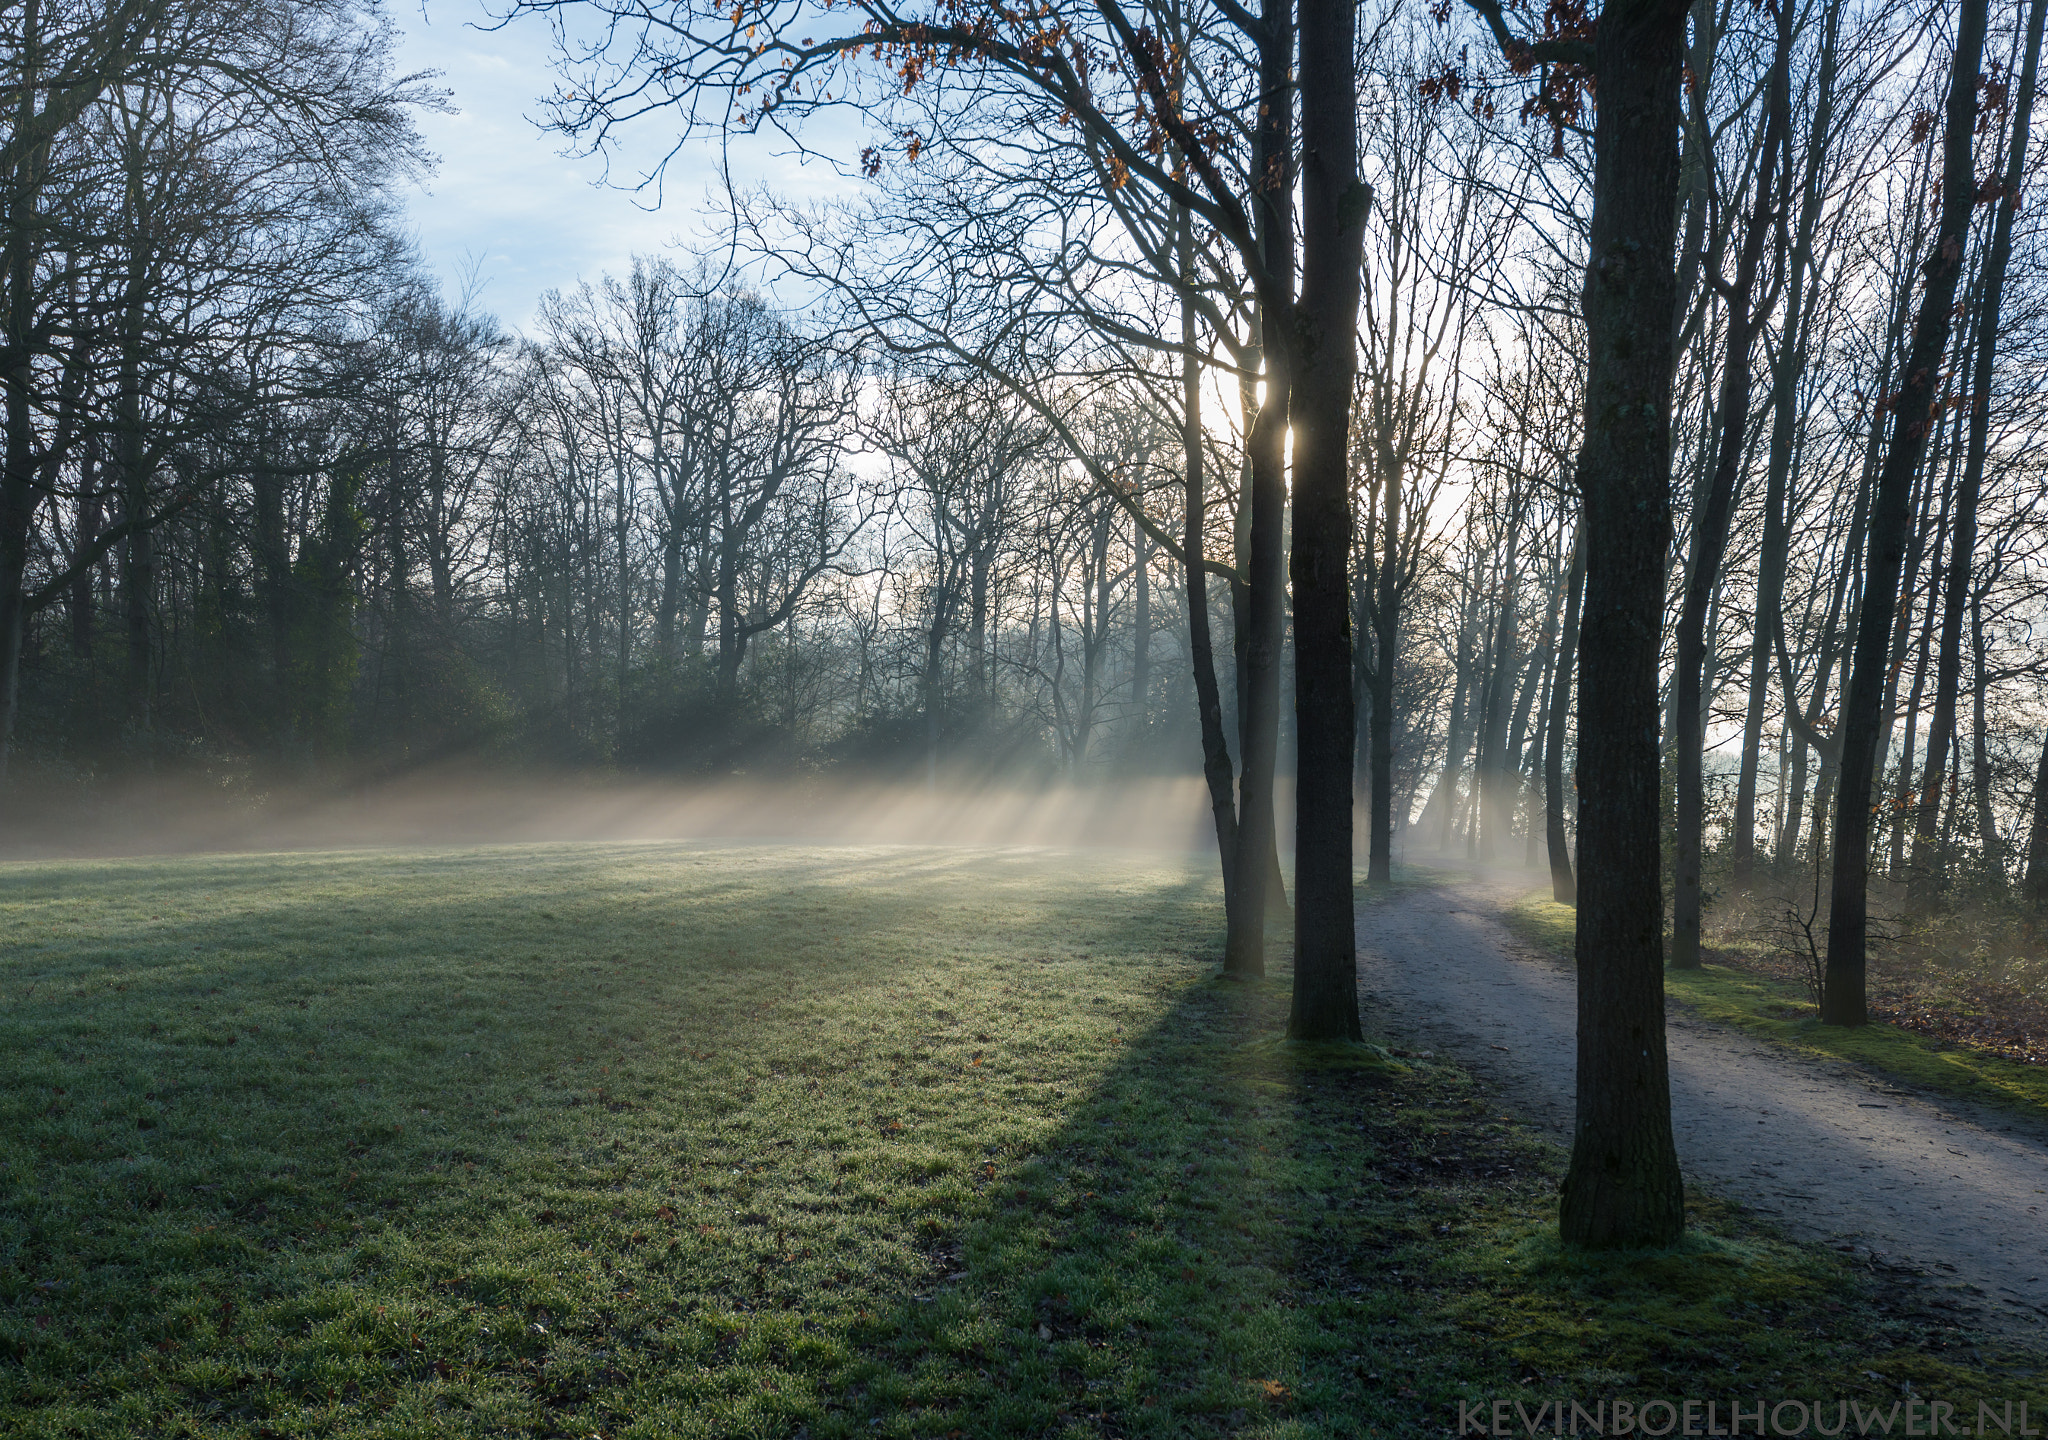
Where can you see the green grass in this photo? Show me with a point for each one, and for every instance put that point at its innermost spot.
(666, 1140)
(1782, 1012)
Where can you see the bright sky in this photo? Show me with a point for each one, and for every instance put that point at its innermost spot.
(507, 199)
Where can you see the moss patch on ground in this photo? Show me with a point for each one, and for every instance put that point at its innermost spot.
(1780, 1010)
(666, 1140)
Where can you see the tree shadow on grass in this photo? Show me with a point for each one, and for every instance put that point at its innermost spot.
(667, 1141)
(500, 1141)
(1208, 1245)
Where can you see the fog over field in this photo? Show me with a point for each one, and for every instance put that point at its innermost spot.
(179, 815)
(1121, 718)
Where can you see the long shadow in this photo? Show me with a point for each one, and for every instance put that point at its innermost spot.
(508, 1141)
(1213, 1240)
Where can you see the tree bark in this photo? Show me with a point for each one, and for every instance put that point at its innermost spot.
(1489, 766)
(1334, 205)
(1928, 876)
(1980, 754)
(1266, 447)
(1710, 524)
(1564, 887)
(2034, 888)
(1843, 999)
(1623, 1187)
(1216, 766)
(19, 496)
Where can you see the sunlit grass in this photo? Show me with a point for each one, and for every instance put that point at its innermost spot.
(667, 1140)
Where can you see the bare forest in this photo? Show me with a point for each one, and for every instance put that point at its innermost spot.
(1596, 441)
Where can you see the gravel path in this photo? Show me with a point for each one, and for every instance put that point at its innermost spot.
(1829, 1151)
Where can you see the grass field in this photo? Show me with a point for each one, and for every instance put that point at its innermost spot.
(667, 1140)
(1783, 1012)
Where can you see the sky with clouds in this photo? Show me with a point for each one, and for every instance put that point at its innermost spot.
(509, 203)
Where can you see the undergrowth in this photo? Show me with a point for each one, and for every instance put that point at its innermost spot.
(1779, 1008)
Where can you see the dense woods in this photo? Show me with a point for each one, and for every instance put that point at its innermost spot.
(1327, 394)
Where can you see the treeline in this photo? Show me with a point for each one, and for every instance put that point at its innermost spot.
(270, 496)
(1622, 435)
(675, 531)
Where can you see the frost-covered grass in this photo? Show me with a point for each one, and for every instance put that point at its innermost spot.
(640, 1140)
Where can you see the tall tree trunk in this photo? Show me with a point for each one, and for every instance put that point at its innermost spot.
(1843, 999)
(91, 514)
(1489, 766)
(1334, 205)
(1926, 881)
(1379, 605)
(19, 496)
(1141, 634)
(2034, 885)
(1216, 766)
(1710, 523)
(1244, 950)
(1980, 755)
(1443, 802)
(1564, 888)
(1928, 861)
(1908, 747)
(1623, 1187)
(138, 572)
(1380, 720)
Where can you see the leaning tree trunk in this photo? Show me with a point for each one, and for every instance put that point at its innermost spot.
(1842, 990)
(1623, 1186)
(1216, 766)
(1334, 203)
(1929, 873)
(1710, 525)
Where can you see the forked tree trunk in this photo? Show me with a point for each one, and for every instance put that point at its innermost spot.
(1843, 999)
(1623, 1186)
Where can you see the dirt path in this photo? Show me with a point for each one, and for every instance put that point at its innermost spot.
(1830, 1152)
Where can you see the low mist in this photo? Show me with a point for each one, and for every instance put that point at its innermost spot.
(143, 817)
